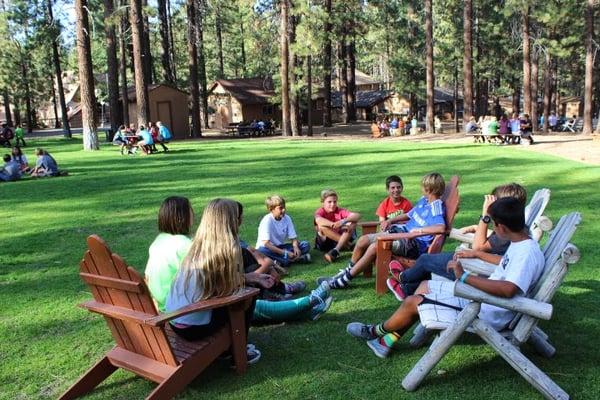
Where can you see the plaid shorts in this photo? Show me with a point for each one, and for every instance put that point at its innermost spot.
(440, 307)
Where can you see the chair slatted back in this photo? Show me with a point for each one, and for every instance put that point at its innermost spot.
(555, 269)
(113, 283)
(451, 199)
(537, 205)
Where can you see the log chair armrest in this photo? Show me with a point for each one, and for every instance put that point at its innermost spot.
(525, 305)
(478, 266)
(205, 305)
(120, 313)
(369, 224)
(456, 234)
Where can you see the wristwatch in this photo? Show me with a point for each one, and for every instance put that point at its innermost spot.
(485, 218)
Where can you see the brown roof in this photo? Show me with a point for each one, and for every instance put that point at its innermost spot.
(248, 90)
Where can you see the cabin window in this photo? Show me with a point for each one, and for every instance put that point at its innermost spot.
(268, 110)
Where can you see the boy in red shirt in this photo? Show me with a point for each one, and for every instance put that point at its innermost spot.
(335, 226)
(393, 205)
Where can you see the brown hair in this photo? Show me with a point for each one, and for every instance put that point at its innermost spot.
(434, 184)
(274, 201)
(511, 190)
(175, 216)
(325, 193)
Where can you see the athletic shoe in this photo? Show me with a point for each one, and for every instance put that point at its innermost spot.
(396, 268)
(322, 291)
(320, 308)
(335, 283)
(360, 330)
(332, 255)
(324, 279)
(305, 258)
(274, 296)
(295, 287)
(252, 355)
(379, 347)
(396, 288)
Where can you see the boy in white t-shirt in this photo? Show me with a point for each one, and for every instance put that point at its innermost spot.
(274, 231)
(434, 301)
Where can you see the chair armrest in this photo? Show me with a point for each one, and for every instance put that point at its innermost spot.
(525, 305)
(456, 234)
(120, 313)
(478, 266)
(369, 224)
(205, 305)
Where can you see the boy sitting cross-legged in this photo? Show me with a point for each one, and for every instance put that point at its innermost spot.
(489, 248)
(275, 229)
(335, 226)
(434, 301)
(412, 236)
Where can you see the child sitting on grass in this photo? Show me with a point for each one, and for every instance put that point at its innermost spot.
(274, 231)
(335, 226)
(434, 302)
(415, 233)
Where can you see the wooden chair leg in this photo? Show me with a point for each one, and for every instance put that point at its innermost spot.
(238, 338)
(92, 378)
(420, 336)
(528, 370)
(382, 261)
(440, 347)
(539, 341)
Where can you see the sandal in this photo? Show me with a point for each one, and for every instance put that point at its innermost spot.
(396, 269)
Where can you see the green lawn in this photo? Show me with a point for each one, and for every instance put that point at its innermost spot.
(46, 342)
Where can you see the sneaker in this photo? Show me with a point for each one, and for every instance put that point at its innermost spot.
(305, 258)
(274, 296)
(252, 355)
(361, 331)
(332, 255)
(295, 287)
(396, 269)
(320, 308)
(336, 282)
(379, 347)
(396, 288)
(322, 291)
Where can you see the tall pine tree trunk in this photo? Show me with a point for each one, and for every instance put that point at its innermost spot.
(526, 62)
(54, 103)
(123, 69)
(547, 90)
(284, 70)
(219, 35)
(295, 118)
(17, 112)
(26, 85)
(534, 92)
(468, 61)
(516, 96)
(242, 48)
(171, 42)
(351, 74)
(327, 67)
(196, 129)
(429, 123)
(309, 101)
(6, 101)
(141, 87)
(203, 92)
(165, 43)
(58, 75)
(147, 54)
(589, 66)
(86, 77)
(455, 98)
(343, 77)
(112, 66)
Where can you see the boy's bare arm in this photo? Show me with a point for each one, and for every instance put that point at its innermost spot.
(504, 289)
(324, 222)
(480, 240)
(482, 255)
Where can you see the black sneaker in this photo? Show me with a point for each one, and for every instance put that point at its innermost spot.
(332, 255)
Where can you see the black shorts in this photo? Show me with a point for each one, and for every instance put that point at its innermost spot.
(324, 244)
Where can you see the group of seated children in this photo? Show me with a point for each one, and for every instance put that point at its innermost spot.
(129, 140)
(502, 131)
(383, 126)
(7, 134)
(16, 164)
(216, 262)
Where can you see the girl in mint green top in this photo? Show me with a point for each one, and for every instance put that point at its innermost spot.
(175, 219)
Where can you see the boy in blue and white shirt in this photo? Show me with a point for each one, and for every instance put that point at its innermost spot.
(412, 236)
(274, 232)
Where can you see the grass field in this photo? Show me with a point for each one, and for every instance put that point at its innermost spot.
(46, 342)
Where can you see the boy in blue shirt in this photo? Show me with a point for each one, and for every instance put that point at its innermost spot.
(415, 231)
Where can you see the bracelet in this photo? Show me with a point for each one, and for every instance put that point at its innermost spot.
(464, 276)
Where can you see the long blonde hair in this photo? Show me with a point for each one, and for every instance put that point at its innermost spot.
(216, 251)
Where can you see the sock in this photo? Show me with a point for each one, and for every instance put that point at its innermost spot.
(279, 311)
(342, 281)
(379, 330)
(390, 339)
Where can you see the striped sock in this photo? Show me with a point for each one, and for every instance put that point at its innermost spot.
(341, 281)
(379, 330)
(390, 339)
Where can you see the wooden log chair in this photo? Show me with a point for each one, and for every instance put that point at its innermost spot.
(558, 254)
(451, 199)
(538, 223)
(145, 343)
